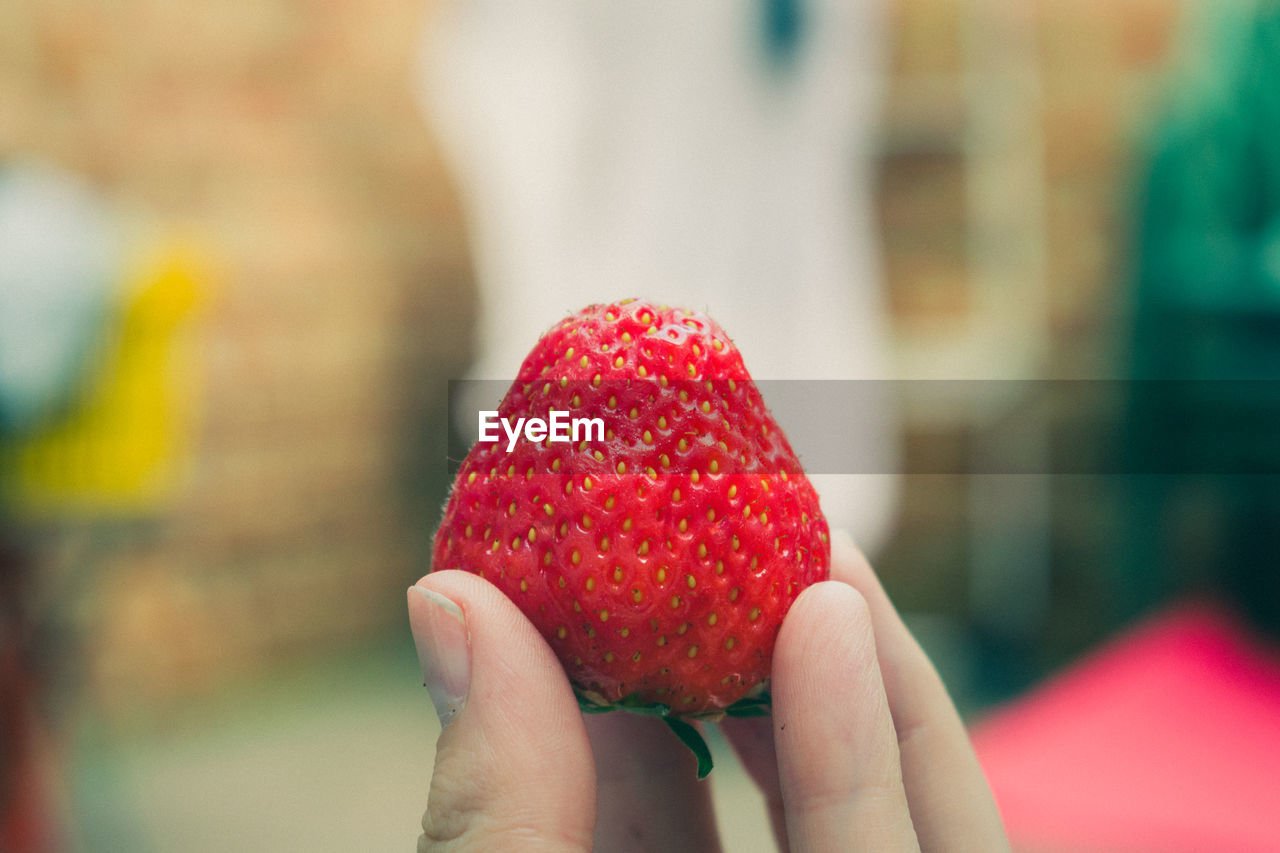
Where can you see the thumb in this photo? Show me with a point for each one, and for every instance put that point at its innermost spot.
(513, 764)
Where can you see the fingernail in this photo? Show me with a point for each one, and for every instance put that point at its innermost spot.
(440, 636)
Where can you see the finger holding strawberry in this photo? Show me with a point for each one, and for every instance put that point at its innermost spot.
(864, 749)
(648, 567)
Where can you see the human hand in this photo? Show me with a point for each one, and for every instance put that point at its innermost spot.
(864, 749)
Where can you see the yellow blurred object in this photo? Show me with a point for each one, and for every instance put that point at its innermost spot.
(121, 448)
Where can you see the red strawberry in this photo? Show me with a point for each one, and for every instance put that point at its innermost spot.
(658, 560)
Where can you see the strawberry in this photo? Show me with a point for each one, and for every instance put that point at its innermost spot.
(659, 552)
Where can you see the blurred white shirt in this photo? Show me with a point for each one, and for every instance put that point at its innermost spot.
(663, 150)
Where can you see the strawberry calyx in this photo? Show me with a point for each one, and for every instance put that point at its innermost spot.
(756, 704)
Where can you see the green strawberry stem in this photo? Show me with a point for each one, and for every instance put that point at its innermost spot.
(759, 705)
(692, 738)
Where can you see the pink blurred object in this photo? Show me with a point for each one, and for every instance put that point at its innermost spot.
(1166, 739)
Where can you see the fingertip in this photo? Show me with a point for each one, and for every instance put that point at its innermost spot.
(474, 594)
(825, 658)
(506, 644)
(518, 718)
(516, 680)
(850, 598)
(826, 611)
(837, 752)
(450, 578)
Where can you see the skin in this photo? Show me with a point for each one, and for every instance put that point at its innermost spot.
(864, 750)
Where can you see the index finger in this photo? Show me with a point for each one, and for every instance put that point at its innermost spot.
(838, 763)
(951, 803)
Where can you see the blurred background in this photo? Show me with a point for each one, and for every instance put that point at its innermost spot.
(209, 520)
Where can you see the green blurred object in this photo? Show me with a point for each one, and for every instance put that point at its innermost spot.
(1206, 326)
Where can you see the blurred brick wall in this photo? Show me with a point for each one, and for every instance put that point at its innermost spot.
(286, 134)
(1099, 65)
